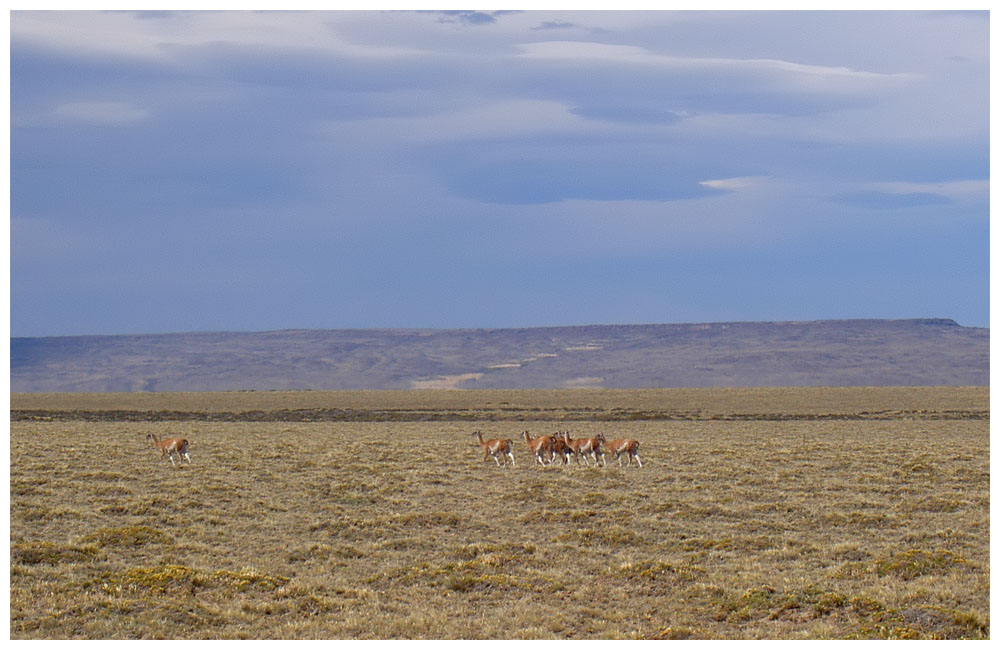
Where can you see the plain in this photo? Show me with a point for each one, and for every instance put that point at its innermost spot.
(771, 513)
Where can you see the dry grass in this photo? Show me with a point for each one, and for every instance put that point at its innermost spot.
(750, 527)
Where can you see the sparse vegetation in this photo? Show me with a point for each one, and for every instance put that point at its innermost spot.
(756, 514)
(923, 352)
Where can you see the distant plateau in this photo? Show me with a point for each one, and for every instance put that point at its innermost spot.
(916, 352)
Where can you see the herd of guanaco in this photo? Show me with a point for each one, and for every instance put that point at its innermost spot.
(547, 449)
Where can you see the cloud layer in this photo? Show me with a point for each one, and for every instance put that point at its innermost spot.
(243, 170)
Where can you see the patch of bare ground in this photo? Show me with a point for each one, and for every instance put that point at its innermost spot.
(733, 529)
(446, 382)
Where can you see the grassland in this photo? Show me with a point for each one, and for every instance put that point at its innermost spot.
(765, 513)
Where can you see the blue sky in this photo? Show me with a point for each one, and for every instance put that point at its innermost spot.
(193, 171)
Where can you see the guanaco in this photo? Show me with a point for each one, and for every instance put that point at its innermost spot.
(170, 446)
(496, 448)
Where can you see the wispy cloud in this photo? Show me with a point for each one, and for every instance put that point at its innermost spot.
(588, 51)
(633, 113)
(732, 184)
(515, 118)
(471, 17)
(99, 113)
(553, 24)
(165, 36)
(890, 200)
(955, 190)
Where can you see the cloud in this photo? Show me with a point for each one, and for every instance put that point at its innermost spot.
(403, 164)
(165, 36)
(890, 201)
(631, 113)
(471, 17)
(963, 190)
(814, 77)
(553, 24)
(731, 184)
(99, 113)
(506, 120)
(548, 171)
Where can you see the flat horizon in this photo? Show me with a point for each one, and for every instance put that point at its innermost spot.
(515, 327)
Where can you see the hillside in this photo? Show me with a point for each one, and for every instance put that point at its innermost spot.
(923, 352)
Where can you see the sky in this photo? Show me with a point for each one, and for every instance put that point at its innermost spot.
(253, 171)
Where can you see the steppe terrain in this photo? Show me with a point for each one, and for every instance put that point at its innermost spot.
(917, 352)
(759, 513)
